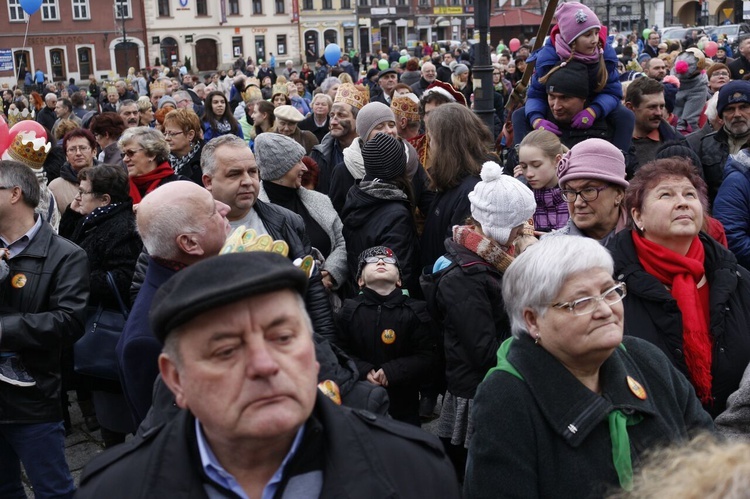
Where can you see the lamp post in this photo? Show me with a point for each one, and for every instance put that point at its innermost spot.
(482, 71)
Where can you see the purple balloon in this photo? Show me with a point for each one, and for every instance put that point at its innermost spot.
(31, 6)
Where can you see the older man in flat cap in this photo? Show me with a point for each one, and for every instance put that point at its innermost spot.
(240, 359)
(287, 121)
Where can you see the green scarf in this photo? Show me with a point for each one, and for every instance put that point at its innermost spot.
(618, 422)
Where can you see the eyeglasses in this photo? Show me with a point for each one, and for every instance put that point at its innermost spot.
(81, 193)
(588, 194)
(720, 73)
(587, 305)
(131, 152)
(168, 134)
(376, 259)
(75, 149)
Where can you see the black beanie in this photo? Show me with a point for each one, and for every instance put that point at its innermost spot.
(384, 158)
(678, 149)
(572, 79)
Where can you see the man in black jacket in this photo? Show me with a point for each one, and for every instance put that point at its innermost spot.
(46, 115)
(43, 301)
(239, 356)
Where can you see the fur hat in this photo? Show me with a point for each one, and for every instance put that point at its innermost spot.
(574, 19)
(732, 92)
(384, 157)
(500, 202)
(276, 154)
(371, 116)
(594, 159)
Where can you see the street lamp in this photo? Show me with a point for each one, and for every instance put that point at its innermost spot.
(483, 90)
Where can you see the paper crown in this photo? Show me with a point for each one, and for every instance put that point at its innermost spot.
(158, 84)
(355, 95)
(280, 88)
(406, 106)
(14, 116)
(445, 89)
(29, 149)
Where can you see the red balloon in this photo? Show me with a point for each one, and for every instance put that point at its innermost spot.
(4, 132)
(26, 126)
(710, 48)
(514, 44)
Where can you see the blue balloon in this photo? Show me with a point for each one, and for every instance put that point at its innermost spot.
(31, 6)
(332, 54)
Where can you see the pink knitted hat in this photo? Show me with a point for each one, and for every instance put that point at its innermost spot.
(593, 159)
(574, 19)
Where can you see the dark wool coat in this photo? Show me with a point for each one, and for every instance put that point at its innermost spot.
(652, 314)
(406, 356)
(548, 435)
(361, 455)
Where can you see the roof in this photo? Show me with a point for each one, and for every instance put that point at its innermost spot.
(515, 17)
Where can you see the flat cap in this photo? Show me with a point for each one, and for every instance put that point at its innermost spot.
(288, 113)
(219, 281)
(387, 72)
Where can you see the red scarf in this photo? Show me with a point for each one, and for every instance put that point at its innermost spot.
(143, 184)
(682, 274)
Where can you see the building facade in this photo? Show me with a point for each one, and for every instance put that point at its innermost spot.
(327, 21)
(214, 33)
(67, 39)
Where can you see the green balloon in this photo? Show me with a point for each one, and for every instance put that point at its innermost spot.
(403, 59)
(646, 32)
(383, 64)
(500, 47)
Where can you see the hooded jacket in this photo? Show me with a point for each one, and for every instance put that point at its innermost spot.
(732, 206)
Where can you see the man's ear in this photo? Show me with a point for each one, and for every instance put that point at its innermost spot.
(206, 182)
(171, 377)
(188, 244)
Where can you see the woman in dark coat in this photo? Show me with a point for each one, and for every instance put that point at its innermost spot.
(182, 131)
(104, 226)
(686, 293)
(464, 292)
(379, 211)
(572, 405)
(459, 144)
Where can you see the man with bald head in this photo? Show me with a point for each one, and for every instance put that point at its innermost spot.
(180, 224)
(429, 74)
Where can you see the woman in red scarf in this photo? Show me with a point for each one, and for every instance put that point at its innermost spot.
(145, 153)
(686, 292)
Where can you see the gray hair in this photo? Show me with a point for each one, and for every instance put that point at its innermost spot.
(182, 93)
(711, 107)
(328, 83)
(15, 174)
(325, 97)
(163, 228)
(535, 278)
(150, 139)
(171, 343)
(208, 156)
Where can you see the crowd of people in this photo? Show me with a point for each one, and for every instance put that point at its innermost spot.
(317, 262)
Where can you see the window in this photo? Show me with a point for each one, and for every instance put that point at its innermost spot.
(201, 7)
(84, 62)
(346, 4)
(50, 10)
(237, 46)
(279, 6)
(307, 4)
(455, 2)
(234, 7)
(281, 44)
(327, 4)
(382, 3)
(401, 3)
(257, 6)
(364, 3)
(426, 3)
(15, 11)
(163, 8)
(123, 9)
(81, 9)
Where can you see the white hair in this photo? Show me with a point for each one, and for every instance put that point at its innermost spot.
(539, 273)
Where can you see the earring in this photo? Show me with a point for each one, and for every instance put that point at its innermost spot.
(617, 203)
(537, 339)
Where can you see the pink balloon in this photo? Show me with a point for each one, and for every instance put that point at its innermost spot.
(514, 44)
(4, 132)
(710, 48)
(26, 126)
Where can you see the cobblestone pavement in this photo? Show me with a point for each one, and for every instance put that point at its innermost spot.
(82, 445)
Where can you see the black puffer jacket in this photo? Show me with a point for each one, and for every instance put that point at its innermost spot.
(284, 224)
(467, 298)
(38, 319)
(652, 314)
(713, 150)
(378, 214)
(406, 357)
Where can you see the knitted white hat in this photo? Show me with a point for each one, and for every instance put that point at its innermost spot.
(500, 202)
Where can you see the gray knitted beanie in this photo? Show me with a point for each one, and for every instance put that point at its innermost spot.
(370, 116)
(276, 154)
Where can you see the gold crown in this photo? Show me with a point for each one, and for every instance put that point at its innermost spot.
(355, 95)
(158, 84)
(280, 88)
(14, 116)
(406, 106)
(29, 149)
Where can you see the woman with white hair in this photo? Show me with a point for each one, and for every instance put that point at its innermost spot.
(572, 404)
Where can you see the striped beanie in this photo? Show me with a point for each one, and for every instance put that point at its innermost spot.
(384, 158)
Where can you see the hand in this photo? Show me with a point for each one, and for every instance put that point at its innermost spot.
(327, 279)
(584, 119)
(518, 171)
(371, 377)
(541, 124)
(380, 376)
